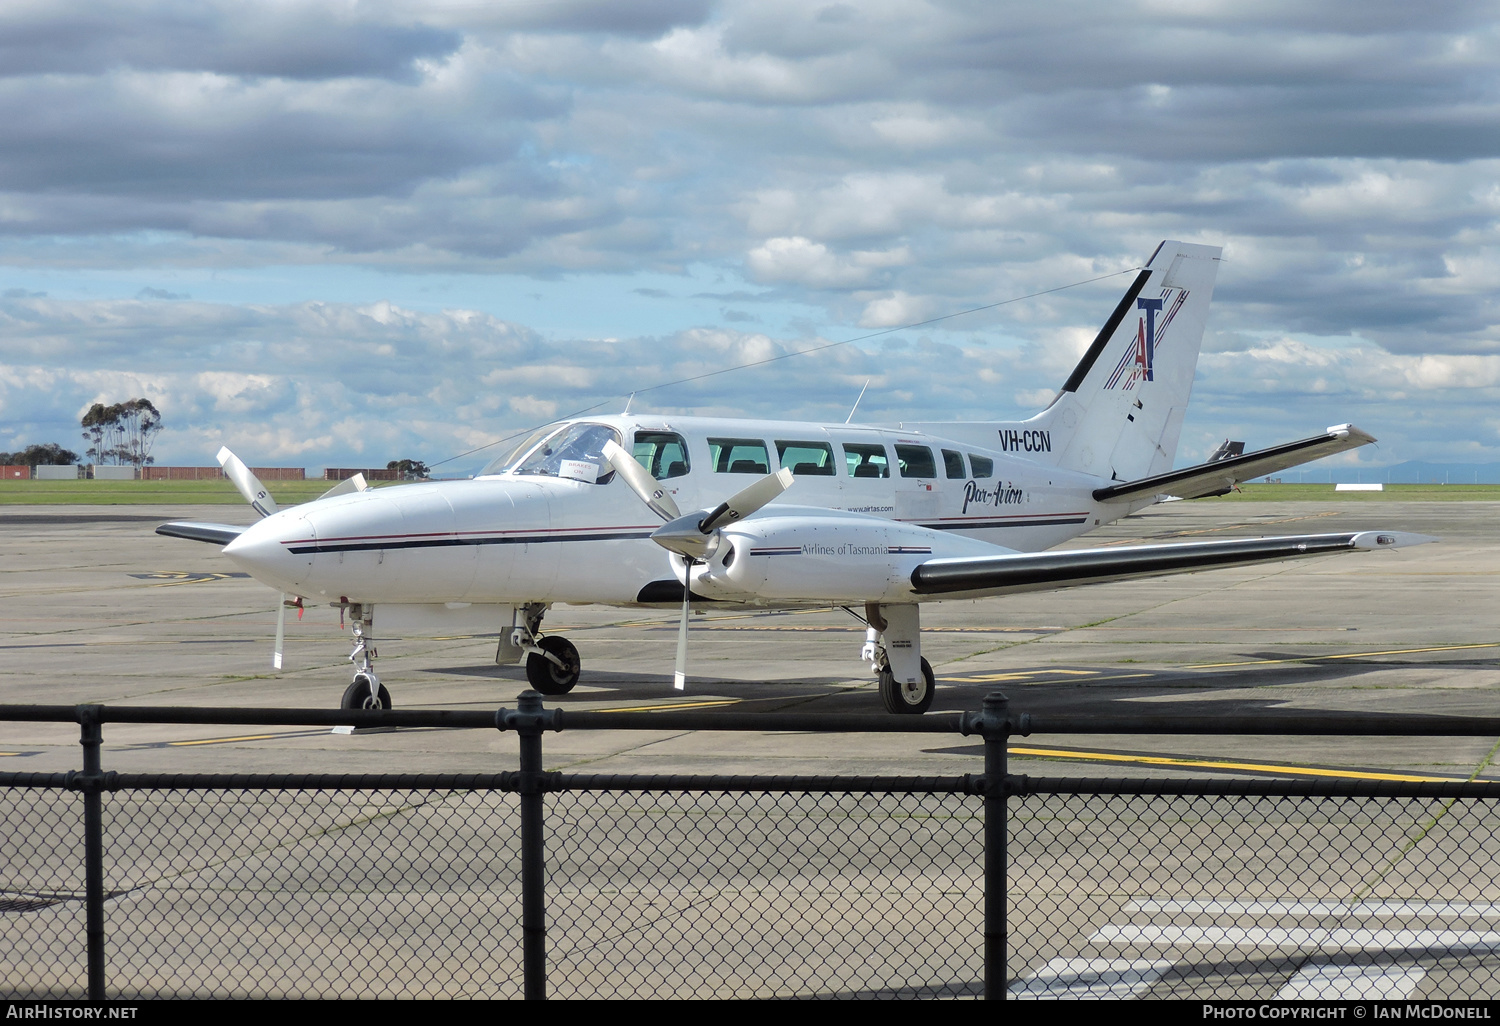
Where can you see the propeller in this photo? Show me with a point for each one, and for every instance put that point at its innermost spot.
(693, 536)
(281, 627)
(640, 481)
(259, 498)
(357, 483)
(248, 484)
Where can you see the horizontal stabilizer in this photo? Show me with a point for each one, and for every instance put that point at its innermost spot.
(1219, 476)
(993, 575)
(219, 534)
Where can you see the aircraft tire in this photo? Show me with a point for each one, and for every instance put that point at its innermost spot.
(545, 675)
(357, 694)
(913, 699)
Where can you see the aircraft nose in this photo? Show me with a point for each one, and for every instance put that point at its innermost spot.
(268, 551)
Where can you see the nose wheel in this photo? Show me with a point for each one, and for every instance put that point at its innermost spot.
(366, 692)
(554, 669)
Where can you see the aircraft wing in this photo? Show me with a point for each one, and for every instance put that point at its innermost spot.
(218, 534)
(1220, 476)
(998, 575)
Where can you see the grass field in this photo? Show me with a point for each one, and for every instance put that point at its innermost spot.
(126, 493)
(130, 493)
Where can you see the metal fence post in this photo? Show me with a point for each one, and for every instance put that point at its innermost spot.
(993, 718)
(91, 782)
(533, 856)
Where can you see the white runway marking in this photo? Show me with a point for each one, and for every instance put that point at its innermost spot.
(1352, 983)
(1456, 909)
(1426, 941)
(1072, 978)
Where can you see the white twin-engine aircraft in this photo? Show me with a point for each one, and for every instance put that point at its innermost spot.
(879, 520)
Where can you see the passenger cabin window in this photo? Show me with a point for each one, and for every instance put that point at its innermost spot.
(866, 460)
(953, 465)
(807, 459)
(662, 453)
(982, 467)
(739, 456)
(915, 461)
(575, 453)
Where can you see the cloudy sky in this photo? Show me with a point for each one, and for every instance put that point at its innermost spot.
(341, 232)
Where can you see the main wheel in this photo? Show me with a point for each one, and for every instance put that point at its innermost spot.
(357, 695)
(545, 675)
(908, 698)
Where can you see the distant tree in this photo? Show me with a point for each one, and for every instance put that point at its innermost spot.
(410, 470)
(49, 454)
(122, 433)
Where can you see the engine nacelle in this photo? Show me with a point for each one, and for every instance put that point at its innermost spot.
(838, 558)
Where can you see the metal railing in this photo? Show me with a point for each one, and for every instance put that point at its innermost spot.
(530, 883)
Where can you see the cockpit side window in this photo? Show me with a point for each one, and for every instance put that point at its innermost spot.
(739, 456)
(662, 453)
(575, 454)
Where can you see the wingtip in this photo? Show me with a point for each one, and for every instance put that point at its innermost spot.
(1390, 539)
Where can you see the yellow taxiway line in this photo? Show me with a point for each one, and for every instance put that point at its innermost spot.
(1346, 655)
(1251, 767)
(672, 708)
(223, 740)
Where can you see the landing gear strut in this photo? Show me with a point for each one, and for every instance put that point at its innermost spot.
(366, 691)
(893, 644)
(552, 663)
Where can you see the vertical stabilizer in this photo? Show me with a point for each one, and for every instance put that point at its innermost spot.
(1120, 412)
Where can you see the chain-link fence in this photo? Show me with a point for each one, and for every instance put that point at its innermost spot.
(1255, 896)
(568, 885)
(405, 893)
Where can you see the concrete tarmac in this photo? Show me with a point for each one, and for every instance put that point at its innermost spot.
(94, 607)
(1138, 897)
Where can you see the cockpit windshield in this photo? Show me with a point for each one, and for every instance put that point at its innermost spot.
(513, 455)
(576, 453)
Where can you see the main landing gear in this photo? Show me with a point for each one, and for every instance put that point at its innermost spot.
(900, 697)
(365, 691)
(552, 663)
(893, 645)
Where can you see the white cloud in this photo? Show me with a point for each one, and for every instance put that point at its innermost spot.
(870, 163)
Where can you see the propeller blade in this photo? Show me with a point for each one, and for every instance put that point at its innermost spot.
(748, 500)
(248, 484)
(357, 483)
(679, 675)
(640, 481)
(692, 535)
(280, 630)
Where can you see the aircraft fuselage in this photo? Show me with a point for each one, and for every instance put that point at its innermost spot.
(519, 536)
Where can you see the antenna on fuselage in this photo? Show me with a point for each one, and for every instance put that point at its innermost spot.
(628, 401)
(856, 402)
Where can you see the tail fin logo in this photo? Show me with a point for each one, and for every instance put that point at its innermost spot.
(1138, 361)
(1145, 351)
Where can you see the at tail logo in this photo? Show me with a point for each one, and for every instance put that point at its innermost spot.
(1145, 341)
(1138, 361)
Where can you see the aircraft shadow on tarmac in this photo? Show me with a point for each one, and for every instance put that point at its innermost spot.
(1090, 690)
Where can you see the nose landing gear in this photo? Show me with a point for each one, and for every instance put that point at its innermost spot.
(365, 691)
(552, 663)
